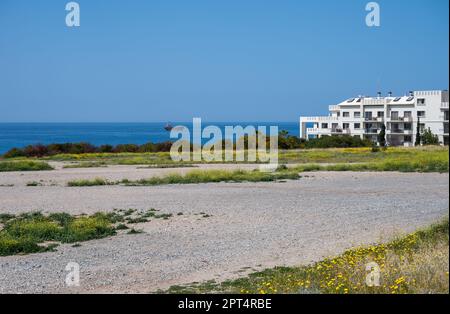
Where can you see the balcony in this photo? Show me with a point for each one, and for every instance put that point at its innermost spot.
(317, 131)
(373, 119)
(399, 119)
(318, 119)
(400, 131)
(371, 131)
(444, 105)
(333, 108)
(341, 131)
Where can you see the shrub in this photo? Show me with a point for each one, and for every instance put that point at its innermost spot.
(40, 150)
(428, 138)
(341, 141)
(14, 152)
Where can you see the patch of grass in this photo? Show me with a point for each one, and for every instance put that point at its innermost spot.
(87, 164)
(24, 165)
(6, 217)
(419, 165)
(86, 182)
(363, 155)
(415, 263)
(196, 176)
(168, 166)
(27, 232)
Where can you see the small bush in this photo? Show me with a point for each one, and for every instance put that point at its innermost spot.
(94, 182)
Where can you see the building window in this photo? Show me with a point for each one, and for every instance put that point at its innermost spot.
(395, 128)
(346, 114)
(346, 126)
(408, 138)
(324, 125)
(421, 102)
(421, 114)
(421, 127)
(357, 126)
(357, 114)
(408, 126)
(407, 114)
(368, 115)
(380, 114)
(394, 115)
(446, 115)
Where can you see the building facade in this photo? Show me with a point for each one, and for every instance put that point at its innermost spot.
(364, 117)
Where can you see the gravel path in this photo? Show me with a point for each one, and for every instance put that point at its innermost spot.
(254, 225)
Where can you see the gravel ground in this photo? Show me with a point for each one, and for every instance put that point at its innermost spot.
(255, 225)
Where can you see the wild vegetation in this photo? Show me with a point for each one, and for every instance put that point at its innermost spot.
(355, 159)
(35, 232)
(343, 141)
(24, 165)
(415, 263)
(40, 150)
(195, 176)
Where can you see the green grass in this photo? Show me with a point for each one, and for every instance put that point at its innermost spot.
(195, 176)
(430, 164)
(86, 164)
(35, 232)
(24, 165)
(331, 155)
(168, 166)
(363, 155)
(27, 233)
(415, 263)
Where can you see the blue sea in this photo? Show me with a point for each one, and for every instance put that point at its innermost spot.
(23, 134)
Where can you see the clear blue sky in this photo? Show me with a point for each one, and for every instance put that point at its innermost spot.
(222, 60)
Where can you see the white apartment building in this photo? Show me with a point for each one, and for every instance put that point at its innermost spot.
(364, 116)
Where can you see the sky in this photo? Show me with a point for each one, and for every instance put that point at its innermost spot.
(221, 60)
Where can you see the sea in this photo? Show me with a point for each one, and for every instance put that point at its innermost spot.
(23, 134)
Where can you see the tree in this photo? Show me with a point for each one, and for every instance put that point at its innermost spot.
(382, 136)
(418, 140)
(428, 138)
